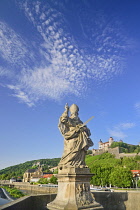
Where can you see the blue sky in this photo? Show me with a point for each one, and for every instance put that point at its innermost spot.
(76, 51)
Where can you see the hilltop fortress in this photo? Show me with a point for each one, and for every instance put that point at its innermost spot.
(105, 147)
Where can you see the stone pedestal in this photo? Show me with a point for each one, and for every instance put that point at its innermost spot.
(74, 190)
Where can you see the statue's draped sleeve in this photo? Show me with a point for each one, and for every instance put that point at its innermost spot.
(62, 125)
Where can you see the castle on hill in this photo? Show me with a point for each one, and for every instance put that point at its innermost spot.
(105, 147)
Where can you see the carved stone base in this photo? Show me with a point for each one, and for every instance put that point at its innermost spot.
(74, 190)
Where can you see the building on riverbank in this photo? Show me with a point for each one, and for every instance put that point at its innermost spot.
(32, 174)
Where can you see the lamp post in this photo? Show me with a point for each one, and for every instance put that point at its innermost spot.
(136, 181)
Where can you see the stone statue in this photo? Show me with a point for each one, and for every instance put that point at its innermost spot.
(76, 138)
(73, 174)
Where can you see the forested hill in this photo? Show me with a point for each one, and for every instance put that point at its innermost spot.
(18, 170)
(109, 170)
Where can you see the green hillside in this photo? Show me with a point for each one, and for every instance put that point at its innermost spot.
(106, 169)
(18, 170)
(109, 170)
(126, 148)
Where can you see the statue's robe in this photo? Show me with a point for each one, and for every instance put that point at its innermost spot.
(76, 142)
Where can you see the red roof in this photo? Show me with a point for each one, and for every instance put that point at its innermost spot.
(47, 176)
(135, 171)
(105, 142)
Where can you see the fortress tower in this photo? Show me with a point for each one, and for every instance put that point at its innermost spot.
(110, 141)
(100, 144)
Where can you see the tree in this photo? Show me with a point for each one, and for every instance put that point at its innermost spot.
(53, 180)
(34, 167)
(121, 177)
(137, 150)
(132, 148)
(43, 181)
(55, 171)
(138, 183)
(130, 162)
(89, 152)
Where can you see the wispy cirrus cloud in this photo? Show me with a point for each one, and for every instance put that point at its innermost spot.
(4, 72)
(20, 95)
(117, 134)
(12, 47)
(118, 131)
(125, 125)
(137, 107)
(58, 63)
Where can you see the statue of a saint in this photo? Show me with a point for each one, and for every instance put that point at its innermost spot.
(76, 138)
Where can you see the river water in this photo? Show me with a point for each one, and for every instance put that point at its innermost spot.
(3, 199)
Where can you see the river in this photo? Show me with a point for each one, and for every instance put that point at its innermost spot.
(3, 198)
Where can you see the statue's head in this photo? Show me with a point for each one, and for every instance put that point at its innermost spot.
(74, 109)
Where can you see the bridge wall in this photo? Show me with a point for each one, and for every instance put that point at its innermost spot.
(32, 189)
(109, 200)
(34, 202)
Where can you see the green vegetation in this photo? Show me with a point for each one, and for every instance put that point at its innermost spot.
(109, 170)
(138, 183)
(121, 177)
(18, 170)
(15, 193)
(43, 181)
(52, 180)
(126, 148)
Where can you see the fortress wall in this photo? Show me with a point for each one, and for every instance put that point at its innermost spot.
(127, 155)
(109, 200)
(115, 151)
(98, 152)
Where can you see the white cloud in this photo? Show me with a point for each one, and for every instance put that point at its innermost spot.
(5, 72)
(21, 95)
(126, 125)
(42, 83)
(137, 107)
(12, 47)
(118, 130)
(117, 133)
(58, 65)
(23, 98)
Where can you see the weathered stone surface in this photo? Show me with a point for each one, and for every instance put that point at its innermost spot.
(73, 174)
(76, 138)
(74, 190)
(109, 200)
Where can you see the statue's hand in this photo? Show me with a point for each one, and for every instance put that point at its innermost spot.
(66, 107)
(79, 128)
(82, 129)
